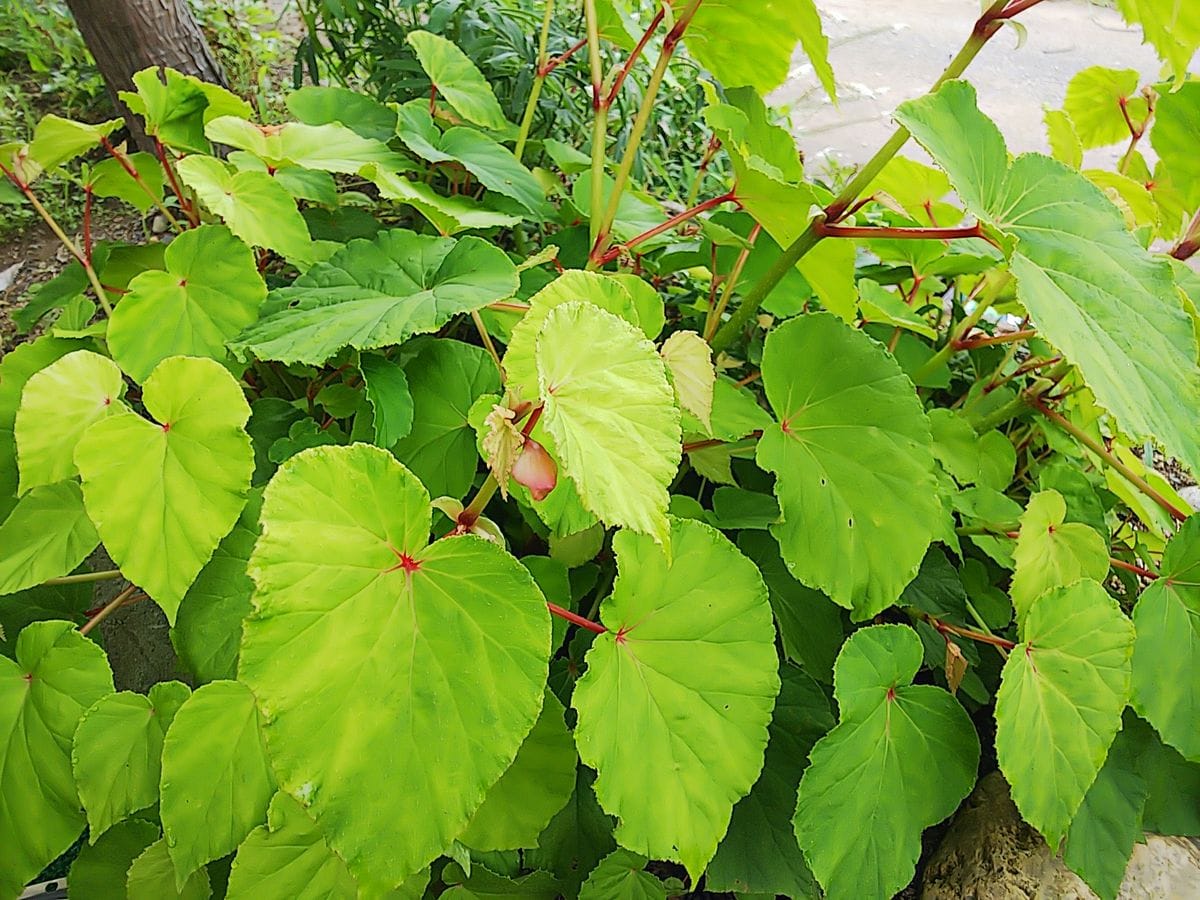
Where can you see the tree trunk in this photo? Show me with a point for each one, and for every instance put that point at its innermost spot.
(126, 36)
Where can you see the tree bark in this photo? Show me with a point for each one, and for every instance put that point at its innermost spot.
(126, 36)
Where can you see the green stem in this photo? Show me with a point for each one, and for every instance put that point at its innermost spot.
(538, 80)
(714, 315)
(990, 295)
(470, 515)
(85, 577)
(985, 27)
(602, 239)
(600, 116)
(1105, 454)
(487, 340)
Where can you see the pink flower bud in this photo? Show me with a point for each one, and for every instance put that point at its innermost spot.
(535, 469)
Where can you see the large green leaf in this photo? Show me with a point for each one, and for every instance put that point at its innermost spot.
(209, 292)
(109, 178)
(378, 293)
(288, 857)
(216, 782)
(446, 378)
(255, 206)
(607, 400)
(57, 674)
(1170, 25)
(622, 876)
(750, 42)
(436, 652)
(1103, 832)
(458, 79)
(489, 161)
(176, 106)
(163, 494)
(606, 292)
(1094, 99)
(46, 535)
(1052, 552)
(331, 147)
(387, 391)
(152, 877)
(1176, 130)
(1060, 701)
(16, 368)
(688, 665)
(1166, 655)
(533, 789)
(57, 140)
(362, 114)
(208, 626)
(901, 758)
(577, 837)
(854, 464)
(449, 215)
(101, 865)
(57, 406)
(117, 752)
(759, 853)
(810, 625)
(1088, 285)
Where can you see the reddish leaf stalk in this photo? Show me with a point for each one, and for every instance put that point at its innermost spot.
(989, 340)
(556, 61)
(945, 628)
(1189, 244)
(826, 230)
(87, 223)
(633, 57)
(1130, 567)
(1015, 8)
(188, 210)
(131, 170)
(116, 603)
(575, 619)
(613, 252)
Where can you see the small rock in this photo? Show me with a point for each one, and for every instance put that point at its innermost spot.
(990, 853)
(159, 224)
(9, 275)
(1190, 495)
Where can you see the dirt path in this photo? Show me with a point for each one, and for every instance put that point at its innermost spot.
(884, 53)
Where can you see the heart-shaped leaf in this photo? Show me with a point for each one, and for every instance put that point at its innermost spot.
(46, 535)
(57, 406)
(853, 457)
(331, 147)
(861, 840)
(1052, 552)
(688, 664)
(441, 656)
(364, 115)
(607, 399)
(216, 782)
(1166, 655)
(449, 215)
(209, 292)
(152, 875)
(163, 494)
(458, 79)
(378, 293)
(255, 206)
(57, 674)
(1060, 701)
(117, 752)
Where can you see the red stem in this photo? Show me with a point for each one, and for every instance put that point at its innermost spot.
(989, 340)
(432, 98)
(615, 251)
(633, 57)
(1134, 131)
(1015, 8)
(824, 229)
(87, 223)
(576, 619)
(1189, 244)
(1130, 567)
(533, 420)
(555, 61)
(945, 628)
(186, 207)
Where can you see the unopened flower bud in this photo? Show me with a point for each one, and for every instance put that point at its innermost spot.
(535, 469)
